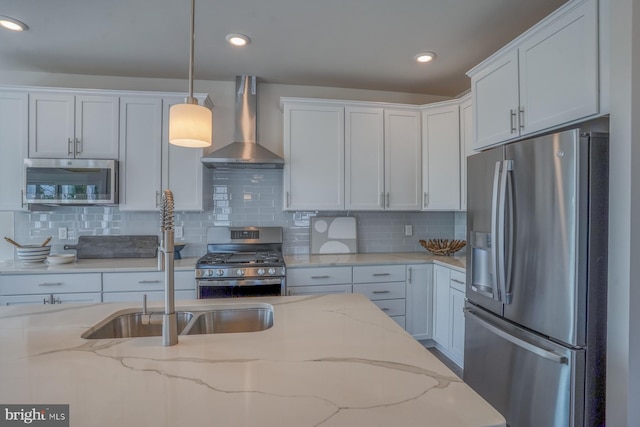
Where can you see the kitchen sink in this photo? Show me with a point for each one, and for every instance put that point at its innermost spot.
(137, 324)
(228, 318)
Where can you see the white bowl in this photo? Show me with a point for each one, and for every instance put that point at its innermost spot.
(60, 258)
(33, 253)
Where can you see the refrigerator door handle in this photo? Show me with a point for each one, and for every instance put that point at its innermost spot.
(495, 231)
(504, 265)
(549, 355)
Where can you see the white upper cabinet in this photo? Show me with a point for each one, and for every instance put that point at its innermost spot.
(364, 158)
(382, 158)
(140, 153)
(64, 125)
(466, 144)
(546, 78)
(182, 170)
(402, 159)
(441, 157)
(314, 156)
(13, 144)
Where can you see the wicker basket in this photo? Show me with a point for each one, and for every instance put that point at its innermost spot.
(443, 246)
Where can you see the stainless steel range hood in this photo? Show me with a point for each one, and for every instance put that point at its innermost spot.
(244, 152)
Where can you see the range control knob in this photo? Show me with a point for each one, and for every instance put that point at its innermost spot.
(240, 272)
(272, 271)
(260, 271)
(219, 272)
(208, 272)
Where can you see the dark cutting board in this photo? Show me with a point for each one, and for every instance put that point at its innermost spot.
(115, 247)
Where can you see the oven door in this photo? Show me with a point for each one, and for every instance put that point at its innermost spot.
(236, 288)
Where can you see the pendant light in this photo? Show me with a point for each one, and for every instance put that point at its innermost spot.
(190, 123)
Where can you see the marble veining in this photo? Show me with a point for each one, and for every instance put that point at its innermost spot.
(333, 360)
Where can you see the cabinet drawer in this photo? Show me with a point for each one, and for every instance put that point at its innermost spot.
(392, 307)
(152, 296)
(379, 273)
(49, 283)
(72, 298)
(458, 280)
(319, 290)
(146, 281)
(378, 291)
(318, 276)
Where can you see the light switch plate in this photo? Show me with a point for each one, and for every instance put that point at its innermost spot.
(178, 232)
(62, 233)
(408, 230)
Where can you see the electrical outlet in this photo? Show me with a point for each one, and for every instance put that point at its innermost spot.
(62, 233)
(178, 232)
(408, 230)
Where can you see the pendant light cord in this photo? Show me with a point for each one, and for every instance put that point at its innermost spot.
(191, 99)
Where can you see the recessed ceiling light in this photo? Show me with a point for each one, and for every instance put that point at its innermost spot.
(425, 57)
(12, 24)
(237, 39)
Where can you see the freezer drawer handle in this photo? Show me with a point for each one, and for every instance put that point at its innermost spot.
(549, 355)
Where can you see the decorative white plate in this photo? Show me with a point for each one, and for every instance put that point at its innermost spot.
(60, 258)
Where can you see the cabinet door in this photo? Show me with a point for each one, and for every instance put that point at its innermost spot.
(96, 127)
(441, 280)
(402, 158)
(14, 110)
(182, 169)
(466, 147)
(456, 321)
(140, 153)
(364, 158)
(51, 125)
(441, 158)
(559, 70)
(496, 101)
(314, 157)
(419, 320)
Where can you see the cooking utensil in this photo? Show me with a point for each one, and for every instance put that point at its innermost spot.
(47, 240)
(13, 242)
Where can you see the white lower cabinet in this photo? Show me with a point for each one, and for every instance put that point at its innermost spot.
(319, 280)
(385, 285)
(50, 288)
(448, 315)
(132, 286)
(420, 301)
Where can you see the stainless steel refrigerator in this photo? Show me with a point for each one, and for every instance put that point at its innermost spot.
(535, 314)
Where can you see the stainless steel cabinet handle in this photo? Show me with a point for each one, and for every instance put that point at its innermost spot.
(78, 146)
(549, 355)
(381, 292)
(70, 147)
(382, 199)
(288, 199)
(320, 277)
(149, 281)
(22, 198)
(512, 120)
(51, 284)
(425, 201)
(458, 281)
(157, 199)
(388, 200)
(410, 279)
(521, 118)
(385, 309)
(381, 274)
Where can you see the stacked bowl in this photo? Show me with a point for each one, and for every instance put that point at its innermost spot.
(33, 253)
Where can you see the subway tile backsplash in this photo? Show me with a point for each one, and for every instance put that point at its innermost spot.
(240, 198)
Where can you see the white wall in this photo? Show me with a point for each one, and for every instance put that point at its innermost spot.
(623, 325)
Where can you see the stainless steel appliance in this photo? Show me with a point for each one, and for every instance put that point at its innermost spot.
(535, 315)
(241, 262)
(70, 182)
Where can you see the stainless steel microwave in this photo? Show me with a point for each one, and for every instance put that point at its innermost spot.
(70, 182)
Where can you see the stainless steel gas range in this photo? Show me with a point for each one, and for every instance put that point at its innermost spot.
(241, 262)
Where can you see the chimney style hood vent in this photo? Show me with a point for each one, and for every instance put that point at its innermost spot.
(244, 152)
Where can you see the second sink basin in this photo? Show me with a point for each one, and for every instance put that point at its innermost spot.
(227, 318)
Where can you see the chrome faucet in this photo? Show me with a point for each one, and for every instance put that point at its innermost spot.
(169, 319)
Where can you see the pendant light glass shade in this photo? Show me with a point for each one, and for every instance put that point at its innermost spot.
(190, 125)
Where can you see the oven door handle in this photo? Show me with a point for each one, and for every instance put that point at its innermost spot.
(240, 282)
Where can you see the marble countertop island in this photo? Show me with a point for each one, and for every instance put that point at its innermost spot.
(333, 360)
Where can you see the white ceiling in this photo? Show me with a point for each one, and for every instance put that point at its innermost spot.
(365, 44)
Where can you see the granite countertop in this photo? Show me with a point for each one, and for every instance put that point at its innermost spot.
(333, 360)
(112, 265)
(329, 260)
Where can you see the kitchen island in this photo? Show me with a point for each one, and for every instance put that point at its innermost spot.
(333, 360)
